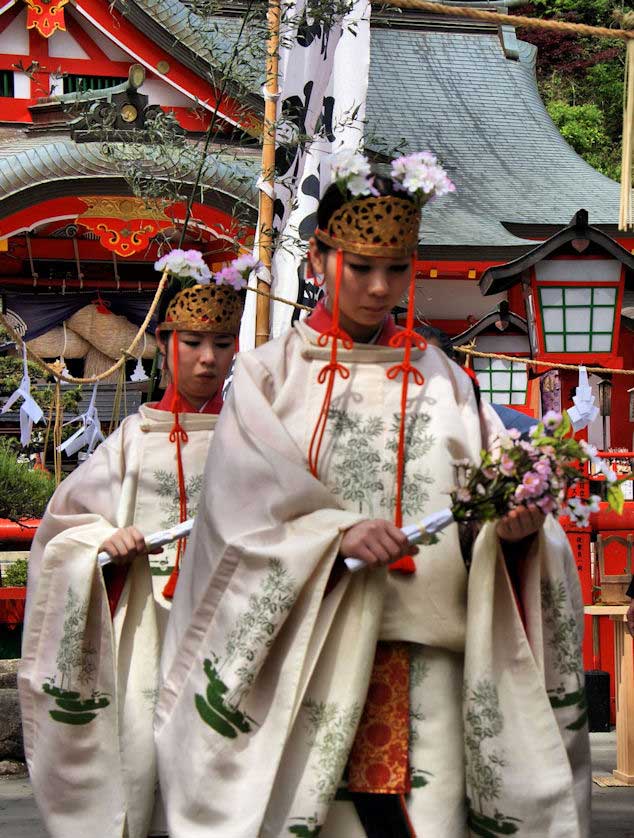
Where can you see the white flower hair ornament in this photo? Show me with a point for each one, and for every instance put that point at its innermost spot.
(419, 174)
(185, 264)
(422, 176)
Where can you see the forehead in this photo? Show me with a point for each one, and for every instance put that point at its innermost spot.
(375, 261)
(212, 336)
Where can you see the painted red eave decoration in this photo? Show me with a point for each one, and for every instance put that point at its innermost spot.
(146, 52)
(125, 238)
(67, 209)
(45, 17)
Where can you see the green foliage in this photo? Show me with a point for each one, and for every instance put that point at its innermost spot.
(581, 78)
(594, 12)
(584, 127)
(15, 575)
(70, 398)
(24, 492)
(11, 373)
(615, 498)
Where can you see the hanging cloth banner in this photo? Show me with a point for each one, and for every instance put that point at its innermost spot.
(324, 70)
(30, 411)
(88, 434)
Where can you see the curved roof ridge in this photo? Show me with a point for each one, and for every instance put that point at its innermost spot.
(59, 167)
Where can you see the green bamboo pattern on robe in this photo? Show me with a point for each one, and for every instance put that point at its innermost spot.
(169, 502)
(253, 633)
(418, 671)
(76, 669)
(565, 645)
(483, 721)
(364, 464)
(331, 728)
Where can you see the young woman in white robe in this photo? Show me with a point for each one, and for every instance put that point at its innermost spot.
(442, 696)
(88, 679)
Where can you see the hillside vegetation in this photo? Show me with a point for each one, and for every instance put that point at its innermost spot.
(581, 79)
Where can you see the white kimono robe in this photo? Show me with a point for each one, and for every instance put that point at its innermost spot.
(88, 683)
(265, 674)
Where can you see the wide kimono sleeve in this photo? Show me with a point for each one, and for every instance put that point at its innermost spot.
(250, 623)
(68, 674)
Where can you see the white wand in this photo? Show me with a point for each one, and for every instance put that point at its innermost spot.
(423, 531)
(157, 539)
(416, 534)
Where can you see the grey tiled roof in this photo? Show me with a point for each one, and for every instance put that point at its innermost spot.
(47, 165)
(458, 95)
(202, 43)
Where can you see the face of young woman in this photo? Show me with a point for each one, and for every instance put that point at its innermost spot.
(370, 288)
(203, 363)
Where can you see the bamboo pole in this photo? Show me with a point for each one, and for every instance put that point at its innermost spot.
(267, 194)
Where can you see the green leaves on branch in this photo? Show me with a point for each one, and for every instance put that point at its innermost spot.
(25, 492)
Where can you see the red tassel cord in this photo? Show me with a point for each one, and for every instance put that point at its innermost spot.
(328, 373)
(406, 338)
(178, 435)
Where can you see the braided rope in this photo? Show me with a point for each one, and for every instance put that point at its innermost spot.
(468, 350)
(509, 20)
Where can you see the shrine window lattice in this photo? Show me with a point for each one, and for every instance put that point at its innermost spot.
(501, 382)
(6, 84)
(578, 319)
(79, 84)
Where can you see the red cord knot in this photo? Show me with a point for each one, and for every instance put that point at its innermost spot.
(407, 369)
(409, 337)
(178, 432)
(336, 334)
(332, 369)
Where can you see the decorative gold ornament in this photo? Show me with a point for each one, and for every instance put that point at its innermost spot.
(129, 113)
(205, 308)
(385, 226)
(163, 67)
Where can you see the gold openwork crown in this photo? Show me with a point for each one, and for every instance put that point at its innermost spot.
(205, 308)
(383, 226)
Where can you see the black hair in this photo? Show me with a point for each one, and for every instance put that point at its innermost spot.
(334, 198)
(443, 339)
(173, 288)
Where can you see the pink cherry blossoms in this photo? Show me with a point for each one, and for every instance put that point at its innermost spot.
(535, 473)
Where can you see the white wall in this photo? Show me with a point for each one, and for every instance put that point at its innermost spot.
(453, 299)
(15, 38)
(161, 93)
(63, 45)
(21, 86)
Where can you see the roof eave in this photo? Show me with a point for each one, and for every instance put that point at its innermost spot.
(500, 278)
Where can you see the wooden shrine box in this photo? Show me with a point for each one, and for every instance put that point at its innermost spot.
(615, 553)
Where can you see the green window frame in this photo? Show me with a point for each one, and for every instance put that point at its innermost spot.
(79, 84)
(6, 84)
(501, 382)
(578, 319)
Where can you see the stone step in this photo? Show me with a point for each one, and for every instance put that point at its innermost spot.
(11, 742)
(8, 674)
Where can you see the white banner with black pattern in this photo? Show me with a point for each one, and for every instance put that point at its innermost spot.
(324, 68)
